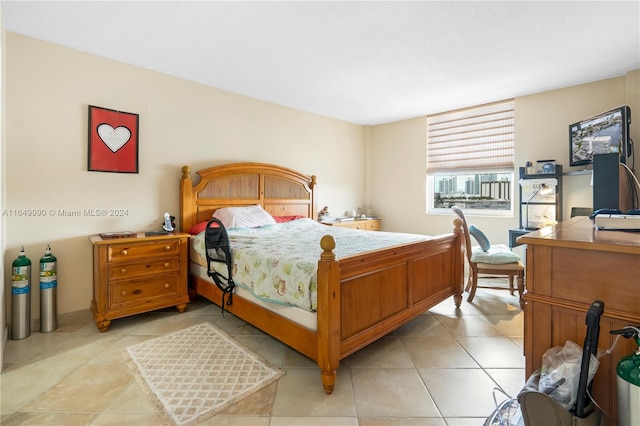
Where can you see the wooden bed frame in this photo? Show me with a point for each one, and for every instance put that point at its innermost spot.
(360, 298)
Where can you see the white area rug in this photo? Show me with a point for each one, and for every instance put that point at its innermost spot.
(194, 373)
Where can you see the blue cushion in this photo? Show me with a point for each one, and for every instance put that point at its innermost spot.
(479, 236)
(497, 254)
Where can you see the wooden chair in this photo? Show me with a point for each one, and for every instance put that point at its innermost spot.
(510, 270)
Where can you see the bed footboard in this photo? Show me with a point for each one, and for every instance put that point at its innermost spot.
(362, 298)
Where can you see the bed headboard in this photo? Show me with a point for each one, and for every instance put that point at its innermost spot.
(279, 190)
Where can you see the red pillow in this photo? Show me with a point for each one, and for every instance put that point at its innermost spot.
(198, 228)
(282, 219)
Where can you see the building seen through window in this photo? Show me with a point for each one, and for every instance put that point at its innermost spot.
(487, 191)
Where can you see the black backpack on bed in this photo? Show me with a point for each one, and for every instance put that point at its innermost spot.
(217, 249)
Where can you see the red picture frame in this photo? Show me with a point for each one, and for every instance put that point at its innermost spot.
(113, 140)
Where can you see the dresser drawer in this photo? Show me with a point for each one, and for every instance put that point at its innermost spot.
(119, 271)
(362, 224)
(135, 292)
(125, 252)
(372, 225)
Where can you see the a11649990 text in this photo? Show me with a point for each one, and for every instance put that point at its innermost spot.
(65, 212)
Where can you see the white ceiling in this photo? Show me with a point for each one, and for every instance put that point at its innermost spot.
(363, 62)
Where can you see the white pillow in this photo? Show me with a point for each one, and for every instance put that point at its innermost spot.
(244, 217)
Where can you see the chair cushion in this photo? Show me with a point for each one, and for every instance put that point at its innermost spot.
(479, 236)
(497, 254)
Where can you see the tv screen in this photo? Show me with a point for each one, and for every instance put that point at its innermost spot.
(601, 134)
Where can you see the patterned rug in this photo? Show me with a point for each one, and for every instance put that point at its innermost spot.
(192, 374)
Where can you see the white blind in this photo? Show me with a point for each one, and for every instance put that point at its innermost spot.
(478, 138)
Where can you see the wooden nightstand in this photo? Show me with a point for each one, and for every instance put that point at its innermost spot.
(364, 224)
(138, 274)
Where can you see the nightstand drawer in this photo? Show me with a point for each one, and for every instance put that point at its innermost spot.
(124, 252)
(146, 289)
(121, 271)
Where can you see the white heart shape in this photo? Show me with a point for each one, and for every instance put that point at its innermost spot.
(114, 138)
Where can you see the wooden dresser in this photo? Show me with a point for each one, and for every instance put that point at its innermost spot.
(570, 265)
(365, 224)
(138, 274)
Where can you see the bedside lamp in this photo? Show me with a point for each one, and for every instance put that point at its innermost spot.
(544, 189)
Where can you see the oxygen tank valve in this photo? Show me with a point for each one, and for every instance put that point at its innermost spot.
(628, 332)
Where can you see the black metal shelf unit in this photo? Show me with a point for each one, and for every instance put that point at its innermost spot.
(526, 204)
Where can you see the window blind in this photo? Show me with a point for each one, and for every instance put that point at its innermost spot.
(479, 138)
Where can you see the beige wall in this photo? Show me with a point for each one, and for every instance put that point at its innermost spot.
(48, 90)
(398, 154)
(4, 335)
(633, 100)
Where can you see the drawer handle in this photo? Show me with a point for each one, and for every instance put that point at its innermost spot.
(167, 247)
(137, 291)
(166, 265)
(123, 270)
(124, 293)
(124, 252)
(166, 285)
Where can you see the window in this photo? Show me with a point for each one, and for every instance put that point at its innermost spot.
(470, 159)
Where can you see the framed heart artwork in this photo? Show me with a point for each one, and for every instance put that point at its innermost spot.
(113, 141)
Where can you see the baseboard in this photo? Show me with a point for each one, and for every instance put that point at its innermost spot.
(5, 338)
(68, 318)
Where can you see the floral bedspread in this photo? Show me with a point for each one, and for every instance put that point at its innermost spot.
(279, 262)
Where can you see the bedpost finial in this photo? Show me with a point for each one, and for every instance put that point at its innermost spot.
(313, 182)
(457, 223)
(186, 172)
(327, 243)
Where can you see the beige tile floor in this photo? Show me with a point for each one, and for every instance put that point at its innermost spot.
(440, 369)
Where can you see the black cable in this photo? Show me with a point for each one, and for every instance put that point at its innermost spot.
(634, 195)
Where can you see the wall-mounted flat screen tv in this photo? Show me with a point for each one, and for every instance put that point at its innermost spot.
(601, 134)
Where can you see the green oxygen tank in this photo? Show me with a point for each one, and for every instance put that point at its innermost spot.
(21, 297)
(48, 291)
(628, 380)
(628, 386)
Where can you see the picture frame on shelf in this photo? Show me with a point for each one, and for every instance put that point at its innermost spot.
(545, 166)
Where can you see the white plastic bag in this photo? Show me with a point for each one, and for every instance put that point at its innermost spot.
(560, 373)
(507, 412)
